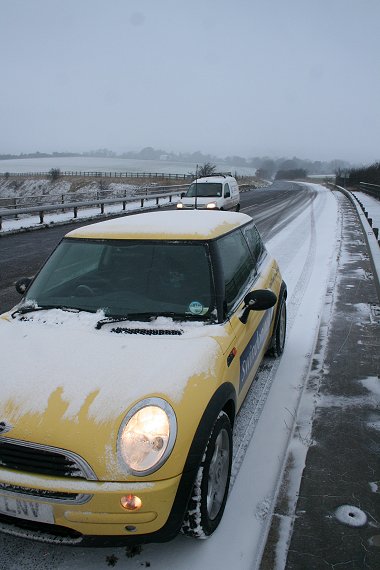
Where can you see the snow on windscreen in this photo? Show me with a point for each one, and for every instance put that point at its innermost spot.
(56, 349)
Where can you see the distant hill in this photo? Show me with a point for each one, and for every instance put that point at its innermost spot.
(266, 166)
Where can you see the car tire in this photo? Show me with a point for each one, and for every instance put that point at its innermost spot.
(210, 490)
(237, 209)
(278, 339)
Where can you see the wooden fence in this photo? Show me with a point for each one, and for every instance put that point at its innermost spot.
(96, 174)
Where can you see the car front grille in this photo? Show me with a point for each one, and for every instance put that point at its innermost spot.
(43, 532)
(192, 206)
(43, 460)
(51, 496)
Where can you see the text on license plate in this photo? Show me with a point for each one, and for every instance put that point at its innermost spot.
(30, 510)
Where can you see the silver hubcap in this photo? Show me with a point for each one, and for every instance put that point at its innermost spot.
(218, 474)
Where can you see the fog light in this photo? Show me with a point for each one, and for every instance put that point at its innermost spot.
(131, 502)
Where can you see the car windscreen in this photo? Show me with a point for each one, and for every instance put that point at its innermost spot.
(127, 278)
(204, 190)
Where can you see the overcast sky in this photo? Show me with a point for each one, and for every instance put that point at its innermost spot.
(226, 77)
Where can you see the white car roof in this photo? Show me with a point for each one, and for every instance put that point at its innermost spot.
(168, 225)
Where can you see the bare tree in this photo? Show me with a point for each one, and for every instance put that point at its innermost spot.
(54, 174)
(206, 169)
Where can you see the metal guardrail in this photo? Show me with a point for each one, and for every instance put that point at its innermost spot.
(372, 189)
(50, 199)
(13, 210)
(42, 209)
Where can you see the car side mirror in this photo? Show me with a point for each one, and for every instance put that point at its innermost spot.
(23, 284)
(259, 300)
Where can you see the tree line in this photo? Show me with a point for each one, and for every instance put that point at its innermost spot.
(353, 176)
(267, 167)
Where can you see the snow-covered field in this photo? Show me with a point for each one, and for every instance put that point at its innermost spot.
(307, 253)
(96, 164)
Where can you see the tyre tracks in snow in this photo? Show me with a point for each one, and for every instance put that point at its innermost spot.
(254, 403)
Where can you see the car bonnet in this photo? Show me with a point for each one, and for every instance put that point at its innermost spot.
(60, 375)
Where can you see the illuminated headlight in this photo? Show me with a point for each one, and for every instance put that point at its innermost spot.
(179, 205)
(146, 436)
(211, 205)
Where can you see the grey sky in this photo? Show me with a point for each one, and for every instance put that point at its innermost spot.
(226, 77)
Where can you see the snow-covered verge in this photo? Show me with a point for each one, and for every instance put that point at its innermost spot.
(30, 192)
(372, 206)
(343, 390)
(367, 208)
(24, 188)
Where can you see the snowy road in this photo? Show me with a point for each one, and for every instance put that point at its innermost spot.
(304, 242)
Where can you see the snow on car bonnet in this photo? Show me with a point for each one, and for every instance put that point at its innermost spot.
(56, 350)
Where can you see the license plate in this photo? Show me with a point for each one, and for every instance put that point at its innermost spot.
(30, 510)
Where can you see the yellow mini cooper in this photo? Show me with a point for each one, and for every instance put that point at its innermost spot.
(122, 371)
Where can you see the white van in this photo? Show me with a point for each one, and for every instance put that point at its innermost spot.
(214, 192)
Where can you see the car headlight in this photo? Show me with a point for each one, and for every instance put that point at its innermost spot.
(211, 205)
(146, 436)
(179, 205)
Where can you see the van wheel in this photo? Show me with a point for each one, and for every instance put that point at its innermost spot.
(210, 490)
(237, 209)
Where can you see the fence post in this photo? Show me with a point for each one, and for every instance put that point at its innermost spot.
(15, 204)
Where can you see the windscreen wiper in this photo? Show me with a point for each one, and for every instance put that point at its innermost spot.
(110, 320)
(140, 316)
(31, 308)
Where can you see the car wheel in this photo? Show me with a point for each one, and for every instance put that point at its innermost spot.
(210, 490)
(278, 339)
(237, 209)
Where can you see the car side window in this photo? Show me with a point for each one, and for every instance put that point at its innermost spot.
(227, 192)
(238, 266)
(254, 241)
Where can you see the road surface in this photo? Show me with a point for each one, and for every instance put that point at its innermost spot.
(301, 225)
